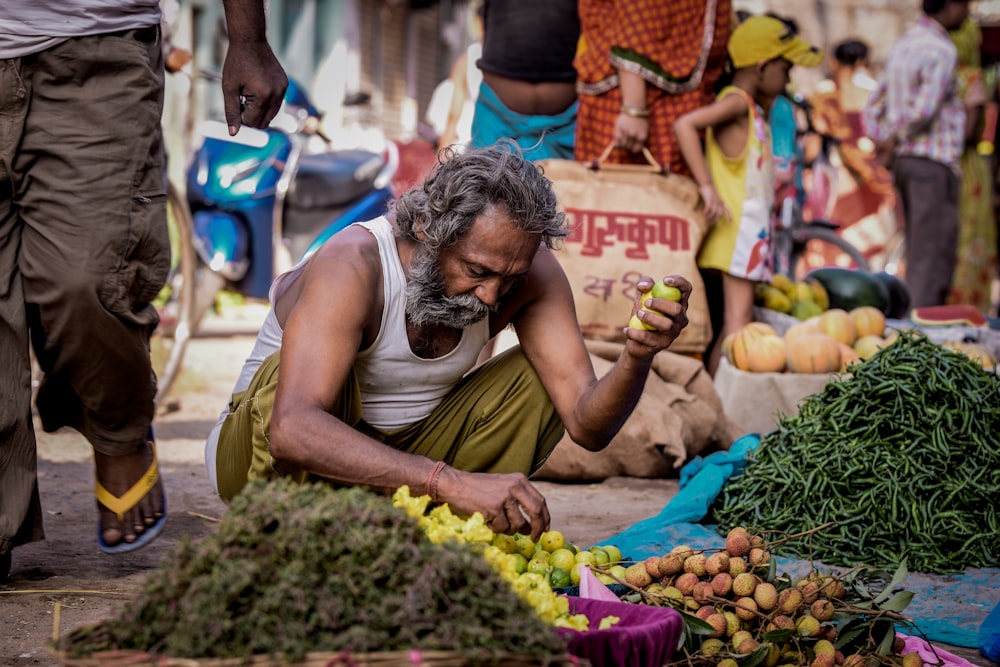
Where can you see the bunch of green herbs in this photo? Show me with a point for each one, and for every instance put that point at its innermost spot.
(902, 455)
(298, 568)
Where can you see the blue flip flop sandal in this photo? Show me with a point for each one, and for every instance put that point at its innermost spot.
(121, 504)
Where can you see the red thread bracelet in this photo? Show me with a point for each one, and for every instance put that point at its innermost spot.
(432, 480)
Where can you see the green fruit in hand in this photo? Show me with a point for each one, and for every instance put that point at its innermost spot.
(658, 291)
(661, 291)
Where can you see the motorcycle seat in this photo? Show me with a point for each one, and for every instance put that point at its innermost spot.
(329, 180)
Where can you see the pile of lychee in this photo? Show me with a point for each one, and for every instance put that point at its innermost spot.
(734, 591)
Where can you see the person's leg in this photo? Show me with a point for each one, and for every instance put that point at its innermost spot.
(737, 297)
(95, 253)
(930, 194)
(499, 419)
(243, 451)
(20, 509)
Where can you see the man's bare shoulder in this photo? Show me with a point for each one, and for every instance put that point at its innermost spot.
(353, 249)
(346, 266)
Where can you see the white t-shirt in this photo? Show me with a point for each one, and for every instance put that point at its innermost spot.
(30, 26)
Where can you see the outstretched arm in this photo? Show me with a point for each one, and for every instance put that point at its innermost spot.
(253, 82)
(593, 410)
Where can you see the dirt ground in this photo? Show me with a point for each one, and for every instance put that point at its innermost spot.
(66, 581)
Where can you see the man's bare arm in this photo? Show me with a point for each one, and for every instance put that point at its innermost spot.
(592, 410)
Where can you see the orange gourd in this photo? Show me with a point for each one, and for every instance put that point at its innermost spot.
(766, 355)
(868, 321)
(813, 353)
(762, 328)
(801, 329)
(837, 324)
(742, 339)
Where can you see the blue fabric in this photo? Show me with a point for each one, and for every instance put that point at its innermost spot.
(989, 635)
(946, 608)
(540, 137)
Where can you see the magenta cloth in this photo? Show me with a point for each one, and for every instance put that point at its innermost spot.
(931, 655)
(591, 587)
(644, 635)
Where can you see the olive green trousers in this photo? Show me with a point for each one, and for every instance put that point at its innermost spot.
(497, 419)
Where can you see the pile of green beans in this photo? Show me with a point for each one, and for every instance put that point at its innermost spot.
(903, 455)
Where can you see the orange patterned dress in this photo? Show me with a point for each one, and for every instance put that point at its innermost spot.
(678, 47)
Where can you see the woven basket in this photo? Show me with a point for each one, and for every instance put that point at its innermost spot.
(413, 658)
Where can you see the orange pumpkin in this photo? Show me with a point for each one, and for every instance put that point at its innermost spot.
(742, 340)
(813, 353)
(868, 321)
(762, 328)
(847, 357)
(837, 324)
(800, 329)
(766, 355)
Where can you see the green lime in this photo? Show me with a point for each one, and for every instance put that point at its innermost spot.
(560, 578)
(614, 553)
(601, 556)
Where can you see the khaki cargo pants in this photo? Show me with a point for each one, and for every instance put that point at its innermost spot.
(83, 251)
(498, 419)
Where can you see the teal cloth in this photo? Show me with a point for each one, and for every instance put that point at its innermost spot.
(539, 137)
(951, 609)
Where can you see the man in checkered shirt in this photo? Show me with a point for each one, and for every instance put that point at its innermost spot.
(917, 120)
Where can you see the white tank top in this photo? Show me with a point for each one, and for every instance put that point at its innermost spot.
(398, 388)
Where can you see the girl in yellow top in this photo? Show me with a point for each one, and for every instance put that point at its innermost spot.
(733, 172)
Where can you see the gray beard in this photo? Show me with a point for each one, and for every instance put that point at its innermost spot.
(426, 302)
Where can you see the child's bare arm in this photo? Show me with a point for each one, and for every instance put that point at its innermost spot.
(688, 130)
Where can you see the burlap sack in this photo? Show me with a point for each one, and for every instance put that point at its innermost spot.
(628, 221)
(678, 417)
(755, 401)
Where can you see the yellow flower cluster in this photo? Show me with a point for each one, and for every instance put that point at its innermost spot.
(441, 524)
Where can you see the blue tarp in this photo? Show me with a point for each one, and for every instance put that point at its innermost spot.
(946, 608)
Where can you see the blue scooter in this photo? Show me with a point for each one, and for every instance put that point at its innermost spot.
(262, 201)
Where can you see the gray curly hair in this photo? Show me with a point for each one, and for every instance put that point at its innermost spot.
(464, 185)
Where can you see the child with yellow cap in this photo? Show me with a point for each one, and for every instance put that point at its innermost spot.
(734, 169)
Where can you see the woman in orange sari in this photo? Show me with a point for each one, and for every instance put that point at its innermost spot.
(642, 65)
(864, 202)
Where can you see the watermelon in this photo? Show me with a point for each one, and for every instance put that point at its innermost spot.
(899, 296)
(851, 288)
(948, 315)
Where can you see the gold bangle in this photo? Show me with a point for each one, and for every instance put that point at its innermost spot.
(635, 112)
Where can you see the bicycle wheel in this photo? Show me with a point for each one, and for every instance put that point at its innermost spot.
(175, 301)
(823, 235)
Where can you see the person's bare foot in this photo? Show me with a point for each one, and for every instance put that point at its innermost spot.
(119, 474)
